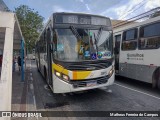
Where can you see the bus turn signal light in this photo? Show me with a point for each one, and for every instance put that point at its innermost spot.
(65, 77)
(111, 72)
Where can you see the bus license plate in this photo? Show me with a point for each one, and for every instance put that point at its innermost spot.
(93, 83)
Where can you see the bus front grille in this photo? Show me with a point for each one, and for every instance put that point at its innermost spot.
(89, 66)
(83, 83)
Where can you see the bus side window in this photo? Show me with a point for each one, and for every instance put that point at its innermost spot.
(129, 40)
(149, 36)
(50, 39)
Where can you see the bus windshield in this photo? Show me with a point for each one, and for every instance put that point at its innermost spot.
(83, 44)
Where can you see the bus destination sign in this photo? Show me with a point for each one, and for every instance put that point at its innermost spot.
(82, 19)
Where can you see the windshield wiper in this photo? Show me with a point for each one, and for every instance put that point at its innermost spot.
(108, 39)
(73, 29)
(99, 35)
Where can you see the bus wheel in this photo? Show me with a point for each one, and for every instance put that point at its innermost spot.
(157, 74)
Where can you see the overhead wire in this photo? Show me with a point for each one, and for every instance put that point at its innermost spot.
(124, 15)
(143, 15)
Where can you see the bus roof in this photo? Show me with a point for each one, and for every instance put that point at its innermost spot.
(126, 27)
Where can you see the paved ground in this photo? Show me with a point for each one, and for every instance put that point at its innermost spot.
(124, 95)
(19, 92)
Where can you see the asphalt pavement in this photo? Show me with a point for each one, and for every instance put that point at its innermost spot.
(124, 95)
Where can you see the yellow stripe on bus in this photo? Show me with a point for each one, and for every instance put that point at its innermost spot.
(77, 75)
(60, 69)
(80, 75)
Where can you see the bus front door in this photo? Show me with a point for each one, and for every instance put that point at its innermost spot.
(49, 61)
(117, 52)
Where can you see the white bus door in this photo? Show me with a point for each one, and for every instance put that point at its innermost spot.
(49, 59)
(117, 51)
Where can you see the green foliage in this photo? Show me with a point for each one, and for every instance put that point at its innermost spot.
(31, 24)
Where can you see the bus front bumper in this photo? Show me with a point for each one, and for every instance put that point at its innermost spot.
(60, 86)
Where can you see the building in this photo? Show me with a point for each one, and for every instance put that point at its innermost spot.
(3, 6)
(121, 23)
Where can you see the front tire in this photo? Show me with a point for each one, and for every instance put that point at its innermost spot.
(45, 75)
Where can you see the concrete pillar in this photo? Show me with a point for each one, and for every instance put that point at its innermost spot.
(6, 73)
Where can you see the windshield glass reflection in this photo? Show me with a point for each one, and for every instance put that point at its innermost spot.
(70, 47)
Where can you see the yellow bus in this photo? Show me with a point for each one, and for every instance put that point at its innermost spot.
(75, 52)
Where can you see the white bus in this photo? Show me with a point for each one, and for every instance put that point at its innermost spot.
(75, 52)
(137, 51)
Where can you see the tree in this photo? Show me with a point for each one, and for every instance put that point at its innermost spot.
(31, 24)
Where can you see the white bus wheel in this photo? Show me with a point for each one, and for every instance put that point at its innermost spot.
(155, 79)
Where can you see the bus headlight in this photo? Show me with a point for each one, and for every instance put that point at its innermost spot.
(58, 74)
(111, 72)
(62, 76)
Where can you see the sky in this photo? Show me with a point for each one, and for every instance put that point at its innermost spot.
(115, 9)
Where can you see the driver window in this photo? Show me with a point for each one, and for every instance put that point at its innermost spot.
(54, 41)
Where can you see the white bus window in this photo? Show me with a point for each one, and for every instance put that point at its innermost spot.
(129, 41)
(130, 35)
(150, 30)
(42, 43)
(149, 36)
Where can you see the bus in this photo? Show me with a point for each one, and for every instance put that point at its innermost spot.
(137, 51)
(75, 52)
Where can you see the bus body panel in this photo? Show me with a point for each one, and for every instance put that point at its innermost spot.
(141, 57)
(139, 72)
(141, 67)
(61, 86)
(139, 64)
(81, 75)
